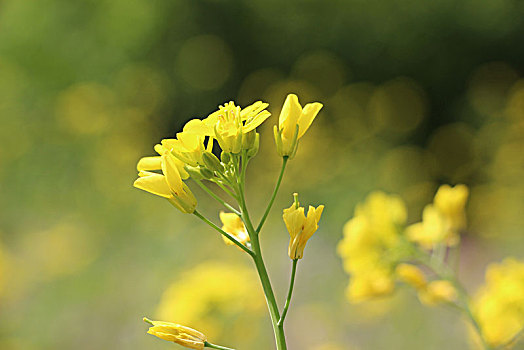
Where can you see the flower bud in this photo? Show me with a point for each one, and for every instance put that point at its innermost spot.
(185, 336)
(212, 162)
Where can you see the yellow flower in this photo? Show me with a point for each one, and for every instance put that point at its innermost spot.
(370, 246)
(442, 220)
(451, 203)
(436, 292)
(300, 227)
(169, 185)
(231, 293)
(181, 335)
(411, 275)
(232, 224)
(293, 123)
(155, 163)
(499, 304)
(231, 125)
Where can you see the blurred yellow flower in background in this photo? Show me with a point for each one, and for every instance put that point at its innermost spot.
(232, 224)
(300, 226)
(437, 292)
(499, 303)
(185, 336)
(412, 275)
(368, 248)
(443, 220)
(215, 297)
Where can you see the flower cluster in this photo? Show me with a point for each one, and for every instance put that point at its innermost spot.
(190, 156)
(499, 304)
(377, 244)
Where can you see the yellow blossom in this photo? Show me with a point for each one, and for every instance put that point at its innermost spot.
(293, 123)
(300, 227)
(436, 292)
(442, 220)
(155, 162)
(451, 203)
(169, 185)
(232, 224)
(370, 245)
(499, 304)
(231, 125)
(181, 335)
(411, 275)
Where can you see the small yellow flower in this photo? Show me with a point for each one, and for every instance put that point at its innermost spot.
(412, 275)
(176, 333)
(300, 227)
(442, 220)
(499, 304)
(155, 162)
(293, 123)
(232, 224)
(451, 202)
(437, 292)
(169, 185)
(371, 244)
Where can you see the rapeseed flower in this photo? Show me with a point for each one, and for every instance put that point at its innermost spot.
(436, 292)
(412, 275)
(169, 185)
(232, 224)
(499, 304)
(443, 220)
(300, 226)
(293, 123)
(371, 246)
(233, 127)
(182, 335)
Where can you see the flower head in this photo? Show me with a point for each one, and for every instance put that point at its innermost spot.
(499, 304)
(370, 245)
(181, 335)
(412, 275)
(293, 123)
(442, 220)
(169, 185)
(436, 292)
(231, 125)
(300, 226)
(232, 224)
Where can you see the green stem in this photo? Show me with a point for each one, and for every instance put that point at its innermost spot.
(227, 235)
(290, 292)
(217, 198)
(225, 189)
(214, 346)
(273, 196)
(444, 272)
(261, 268)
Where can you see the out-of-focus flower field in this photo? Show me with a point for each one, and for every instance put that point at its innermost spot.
(415, 94)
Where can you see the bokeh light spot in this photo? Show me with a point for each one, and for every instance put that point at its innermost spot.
(204, 62)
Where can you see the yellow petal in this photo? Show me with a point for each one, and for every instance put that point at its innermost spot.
(253, 109)
(171, 173)
(198, 127)
(153, 183)
(309, 113)
(289, 115)
(149, 163)
(256, 121)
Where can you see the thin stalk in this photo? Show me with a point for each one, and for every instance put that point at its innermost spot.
(290, 292)
(273, 196)
(225, 189)
(227, 235)
(271, 301)
(217, 198)
(214, 346)
(444, 272)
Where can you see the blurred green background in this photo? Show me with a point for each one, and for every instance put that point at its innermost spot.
(416, 93)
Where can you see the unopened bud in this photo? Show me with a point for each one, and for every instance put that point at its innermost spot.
(211, 162)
